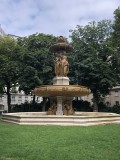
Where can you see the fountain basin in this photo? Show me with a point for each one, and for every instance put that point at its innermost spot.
(78, 119)
(61, 90)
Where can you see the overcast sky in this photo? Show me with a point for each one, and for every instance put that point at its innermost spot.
(57, 17)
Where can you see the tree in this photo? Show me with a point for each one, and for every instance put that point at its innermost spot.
(28, 78)
(115, 40)
(37, 61)
(91, 59)
(9, 68)
(116, 30)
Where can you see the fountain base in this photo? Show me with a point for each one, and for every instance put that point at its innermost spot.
(78, 119)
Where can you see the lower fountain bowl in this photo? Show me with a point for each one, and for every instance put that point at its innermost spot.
(61, 90)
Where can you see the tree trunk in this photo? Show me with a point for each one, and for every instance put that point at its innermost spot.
(95, 107)
(95, 102)
(8, 98)
(44, 104)
(33, 99)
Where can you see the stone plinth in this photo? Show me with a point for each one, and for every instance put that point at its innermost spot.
(59, 105)
(79, 119)
(61, 81)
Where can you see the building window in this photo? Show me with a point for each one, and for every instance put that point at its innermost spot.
(20, 98)
(0, 98)
(5, 97)
(1, 107)
(116, 93)
(116, 102)
(108, 104)
(13, 98)
(26, 98)
(37, 99)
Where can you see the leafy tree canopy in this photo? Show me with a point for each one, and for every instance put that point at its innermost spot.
(37, 61)
(116, 32)
(91, 59)
(115, 41)
(9, 68)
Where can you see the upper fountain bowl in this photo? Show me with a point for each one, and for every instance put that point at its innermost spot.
(61, 45)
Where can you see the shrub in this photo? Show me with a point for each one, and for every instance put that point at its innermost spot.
(80, 105)
(116, 109)
(27, 107)
(103, 107)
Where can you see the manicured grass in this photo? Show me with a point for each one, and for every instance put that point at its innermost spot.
(59, 143)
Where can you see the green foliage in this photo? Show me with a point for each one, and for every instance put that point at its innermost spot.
(9, 68)
(116, 109)
(36, 60)
(80, 105)
(115, 41)
(116, 28)
(29, 79)
(8, 65)
(1, 87)
(104, 108)
(27, 107)
(30, 107)
(91, 58)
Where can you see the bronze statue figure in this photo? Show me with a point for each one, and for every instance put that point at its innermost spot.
(52, 109)
(61, 66)
(67, 108)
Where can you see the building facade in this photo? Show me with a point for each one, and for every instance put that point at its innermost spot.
(113, 98)
(17, 98)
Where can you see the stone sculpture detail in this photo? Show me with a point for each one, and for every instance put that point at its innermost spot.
(67, 108)
(52, 109)
(61, 66)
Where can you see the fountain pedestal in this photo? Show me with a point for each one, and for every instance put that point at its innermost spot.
(60, 99)
(61, 81)
(59, 105)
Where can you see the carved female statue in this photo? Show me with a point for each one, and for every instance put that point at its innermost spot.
(61, 66)
(57, 66)
(64, 66)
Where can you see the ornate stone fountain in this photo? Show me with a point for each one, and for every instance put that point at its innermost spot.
(61, 93)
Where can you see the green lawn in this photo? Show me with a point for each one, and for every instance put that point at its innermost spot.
(59, 143)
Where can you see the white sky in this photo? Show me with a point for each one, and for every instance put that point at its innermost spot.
(57, 17)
